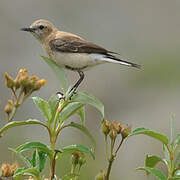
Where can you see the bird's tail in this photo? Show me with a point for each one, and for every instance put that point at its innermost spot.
(114, 59)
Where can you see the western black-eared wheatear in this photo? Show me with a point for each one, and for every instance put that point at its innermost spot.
(71, 51)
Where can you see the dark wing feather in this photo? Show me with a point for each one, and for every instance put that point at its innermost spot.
(75, 45)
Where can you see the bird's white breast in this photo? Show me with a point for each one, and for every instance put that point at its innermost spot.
(76, 60)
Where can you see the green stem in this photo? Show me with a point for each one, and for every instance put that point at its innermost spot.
(106, 147)
(171, 166)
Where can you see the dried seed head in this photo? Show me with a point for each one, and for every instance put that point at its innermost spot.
(8, 170)
(126, 130)
(113, 134)
(116, 126)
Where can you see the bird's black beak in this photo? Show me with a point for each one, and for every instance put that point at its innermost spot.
(27, 29)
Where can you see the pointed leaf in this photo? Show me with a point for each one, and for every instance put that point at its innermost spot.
(43, 106)
(58, 71)
(69, 110)
(75, 147)
(33, 160)
(84, 130)
(177, 140)
(81, 113)
(86, 98)
(166, 153)
(148, 132)
(34, 145)
(53, 103)
(158, 174)
(26, 160)
(42, 160)
(152, 161)
(27, 172)
(20, 123)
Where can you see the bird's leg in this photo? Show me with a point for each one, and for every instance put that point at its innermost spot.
(81, 74)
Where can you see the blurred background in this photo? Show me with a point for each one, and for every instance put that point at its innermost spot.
(145, 32)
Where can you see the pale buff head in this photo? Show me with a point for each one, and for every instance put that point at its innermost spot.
(41, 29)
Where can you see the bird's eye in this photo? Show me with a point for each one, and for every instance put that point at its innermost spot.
(41, 27)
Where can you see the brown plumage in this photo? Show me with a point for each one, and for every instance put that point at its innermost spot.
(71, 51)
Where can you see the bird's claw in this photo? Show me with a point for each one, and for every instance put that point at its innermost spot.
(60, 96)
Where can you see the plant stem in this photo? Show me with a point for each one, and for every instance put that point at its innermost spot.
(119, 146)
(109, 167)
(106, 147)
(53, 165)
(16, 105)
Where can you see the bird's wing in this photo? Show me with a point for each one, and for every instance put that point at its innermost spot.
(73, 44)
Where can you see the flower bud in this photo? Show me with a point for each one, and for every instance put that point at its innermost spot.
(113, 134)
(8, 108)
(100, 176)
(24, 80)
(9, 80)
(16, 83)
(126, 130)
(105, 127)
(39, 83)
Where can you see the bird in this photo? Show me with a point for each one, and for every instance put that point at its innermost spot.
(71, 51)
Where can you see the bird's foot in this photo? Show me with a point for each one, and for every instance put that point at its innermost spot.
(60, 96)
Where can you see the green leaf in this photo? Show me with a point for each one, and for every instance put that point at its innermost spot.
(148, 132)
(69, 110)
(81, 113)
(75, 147)
(58, 71)
(69, 176)
(166, 153)
(42, 160)
(86, 98)
(20, 123)
(177, 140)
(174, 178)
(34, 145)
(158, 174)
(177, 174)
(33, 160)
(53, 103)
(152, 161)
(43, 106)
(27, 172)
(26, 160)
(177, 160)
(84, 130)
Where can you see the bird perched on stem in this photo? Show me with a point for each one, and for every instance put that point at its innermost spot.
(71, 51)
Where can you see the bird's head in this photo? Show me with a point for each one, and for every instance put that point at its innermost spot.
(40, 29)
